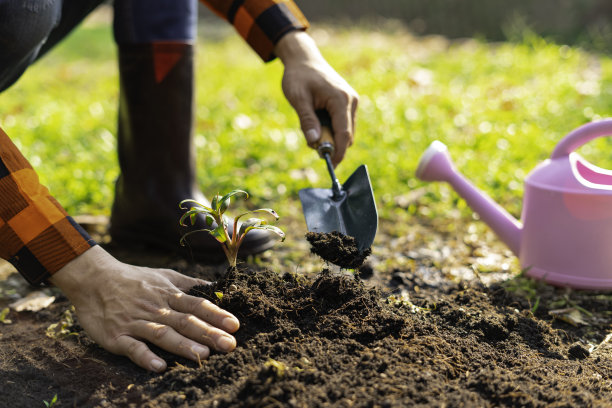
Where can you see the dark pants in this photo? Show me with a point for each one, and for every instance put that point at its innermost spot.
(30, 28)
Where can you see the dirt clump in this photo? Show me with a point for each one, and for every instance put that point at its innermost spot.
(337, 248)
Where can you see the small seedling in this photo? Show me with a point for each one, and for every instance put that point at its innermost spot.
(277, 367)
(64, 327)
(51, 403)
(3, 316)
(219, 226)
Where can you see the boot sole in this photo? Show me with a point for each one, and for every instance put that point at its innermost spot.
(254, 250)
(146, 241)
(150, 242)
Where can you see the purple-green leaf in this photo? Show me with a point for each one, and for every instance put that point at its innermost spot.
(219, 234)
(224, 205)
(250, 223)
(270, 228)
(215, 203)
(197, 205)
(209, 220)
(268, 211)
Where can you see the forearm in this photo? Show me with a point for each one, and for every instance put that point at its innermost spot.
(262, 23)
(36, 235)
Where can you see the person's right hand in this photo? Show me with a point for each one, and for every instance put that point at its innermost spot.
(310, 83)
(122, 306)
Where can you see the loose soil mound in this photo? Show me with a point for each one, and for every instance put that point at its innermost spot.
(332, 340)
(337, 248)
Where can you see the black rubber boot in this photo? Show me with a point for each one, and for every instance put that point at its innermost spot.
(156, 155)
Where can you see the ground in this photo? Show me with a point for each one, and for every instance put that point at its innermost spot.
(433, 318)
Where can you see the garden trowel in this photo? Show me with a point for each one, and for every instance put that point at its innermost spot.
(350, 208)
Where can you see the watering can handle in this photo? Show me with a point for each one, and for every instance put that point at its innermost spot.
(582, 136)
(325, 144)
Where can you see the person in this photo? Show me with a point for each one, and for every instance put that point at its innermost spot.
(123, 307)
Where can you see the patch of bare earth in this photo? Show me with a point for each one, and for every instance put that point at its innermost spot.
(416, 330)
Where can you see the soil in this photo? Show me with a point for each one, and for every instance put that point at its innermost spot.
(405, 334)
(337, 248)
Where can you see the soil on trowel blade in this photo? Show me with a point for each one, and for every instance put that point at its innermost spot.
(337, 248)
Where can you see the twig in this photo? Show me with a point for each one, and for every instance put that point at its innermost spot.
(604, 341)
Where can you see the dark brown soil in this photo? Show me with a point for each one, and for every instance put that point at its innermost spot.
(337, 248)
(333, 339)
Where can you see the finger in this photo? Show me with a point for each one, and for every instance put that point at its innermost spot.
(204, 310)
(200, 331)
(354, 105)
(184, 282)
(139, 353)
(341, 123)
(308, 120)
(167, 338)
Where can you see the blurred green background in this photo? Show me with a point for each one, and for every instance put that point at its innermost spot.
(584, 22)
(500, 107)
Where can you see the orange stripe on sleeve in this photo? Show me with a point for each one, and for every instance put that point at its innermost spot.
(243, 22)
(257, 7)
(219, 7)
(261, 22)
(36, 234)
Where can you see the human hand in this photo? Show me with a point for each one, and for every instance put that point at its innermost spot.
(121, 306)
(310, 83)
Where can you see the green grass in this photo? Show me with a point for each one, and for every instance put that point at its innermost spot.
(500, 108)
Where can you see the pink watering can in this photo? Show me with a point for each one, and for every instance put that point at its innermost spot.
(565, 237)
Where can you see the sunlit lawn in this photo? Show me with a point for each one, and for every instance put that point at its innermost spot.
(500, 108)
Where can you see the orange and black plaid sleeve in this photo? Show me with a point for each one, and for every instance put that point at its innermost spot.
(36, 235)
(260, 22)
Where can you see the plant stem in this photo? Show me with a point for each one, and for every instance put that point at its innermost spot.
(232, 255)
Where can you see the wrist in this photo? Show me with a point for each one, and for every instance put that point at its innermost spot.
(296, 45)
(81, 270)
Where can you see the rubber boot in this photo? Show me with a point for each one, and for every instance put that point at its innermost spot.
(156, 155)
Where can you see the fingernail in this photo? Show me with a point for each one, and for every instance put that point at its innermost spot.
(157, 365)
(230, 324)
(226, 343)
(312, 136)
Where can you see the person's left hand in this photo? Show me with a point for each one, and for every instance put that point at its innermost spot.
(123, 307)
(310, 83)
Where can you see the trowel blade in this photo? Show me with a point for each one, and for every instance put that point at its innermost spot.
(354, 215)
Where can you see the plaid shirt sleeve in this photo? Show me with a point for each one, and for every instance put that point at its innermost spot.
(260, 22)
(36, 235)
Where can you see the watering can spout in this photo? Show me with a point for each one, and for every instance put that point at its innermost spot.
(436, 165)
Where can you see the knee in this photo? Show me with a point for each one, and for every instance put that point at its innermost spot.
(24, 26)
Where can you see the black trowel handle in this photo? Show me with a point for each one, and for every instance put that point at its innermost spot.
(325, 145)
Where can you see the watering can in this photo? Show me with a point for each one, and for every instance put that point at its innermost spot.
(565, 237)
